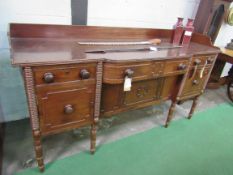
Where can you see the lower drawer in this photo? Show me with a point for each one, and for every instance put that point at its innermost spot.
(66, 108)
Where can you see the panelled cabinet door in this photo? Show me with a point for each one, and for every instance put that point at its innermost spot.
(143, 91)
(195, 81)
(61, 109)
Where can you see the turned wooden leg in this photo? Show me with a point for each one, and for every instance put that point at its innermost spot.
(38, 149)
(93, 138)
(193, 107)
(170, 113)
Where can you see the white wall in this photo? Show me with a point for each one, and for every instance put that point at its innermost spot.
(140, 13)
(32, 11)
(23, 11)
(225, 35)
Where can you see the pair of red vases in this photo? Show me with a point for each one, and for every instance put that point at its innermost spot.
(182, 35)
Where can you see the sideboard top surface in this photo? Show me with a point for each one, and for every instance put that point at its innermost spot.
(40, 48)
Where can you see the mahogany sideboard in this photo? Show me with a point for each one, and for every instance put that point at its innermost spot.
(68, 88)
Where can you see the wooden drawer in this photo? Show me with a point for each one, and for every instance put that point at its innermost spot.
(115, 72)
(64, 73)
(195, 84)
(203, 60)
(66, 106)
(176, 67)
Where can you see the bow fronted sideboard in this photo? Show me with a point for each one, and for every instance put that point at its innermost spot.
(68, 86)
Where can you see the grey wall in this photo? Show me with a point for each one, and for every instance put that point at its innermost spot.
(79, 12)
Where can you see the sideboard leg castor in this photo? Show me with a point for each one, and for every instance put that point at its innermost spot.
(170, 114)
(93, 138)
(38, 149)
(193, 107)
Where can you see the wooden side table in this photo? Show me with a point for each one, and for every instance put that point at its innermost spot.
(226, 56)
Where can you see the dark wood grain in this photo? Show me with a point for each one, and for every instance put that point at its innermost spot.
(68, 88)
(84, 32)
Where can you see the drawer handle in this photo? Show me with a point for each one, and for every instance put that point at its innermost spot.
(197, 62)
(84, 74)
(195, 82)
(129, 73)
(182, 66)
(48, 77)
(68, 109)
(210, 60)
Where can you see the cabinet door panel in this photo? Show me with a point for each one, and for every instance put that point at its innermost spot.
(143, 91)
(65, 108)
(194, 84)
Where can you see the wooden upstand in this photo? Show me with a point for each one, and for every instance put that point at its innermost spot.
(68, 88)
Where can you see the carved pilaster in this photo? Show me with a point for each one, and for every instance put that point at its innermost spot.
(29, 83)
(31, 97)
(99, 73)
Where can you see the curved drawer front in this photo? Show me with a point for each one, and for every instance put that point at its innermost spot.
(201, 60)
(115, 73)
(64, 73)
(176, 67)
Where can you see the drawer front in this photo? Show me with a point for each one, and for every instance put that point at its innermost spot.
(203, 60)
(144, 91)
(194, 84)
(115, 73)
(64, 73)
(176, 67)
(65, 107)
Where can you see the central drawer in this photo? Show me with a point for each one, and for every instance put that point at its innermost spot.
(115, 73)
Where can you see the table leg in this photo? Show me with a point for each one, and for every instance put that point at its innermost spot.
(38, 149)
(193, 107)
(93, 138)
(170, 113)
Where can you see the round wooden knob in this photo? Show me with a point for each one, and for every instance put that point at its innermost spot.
(210, 60)
(68, 109)
(84, 74)
(195, 82)
(48, 77)
(197, 62)
(182, 66)
(129, 73)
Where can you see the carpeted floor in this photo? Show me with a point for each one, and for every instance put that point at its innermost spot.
(200, 146)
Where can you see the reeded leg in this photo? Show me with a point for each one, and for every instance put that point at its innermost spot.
(170, 113)
(93, 138)
(38, 149)
(193, 107)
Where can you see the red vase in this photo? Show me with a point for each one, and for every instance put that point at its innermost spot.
(178, 31)
(188, 31)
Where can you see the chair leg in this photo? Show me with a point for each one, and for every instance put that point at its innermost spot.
(170, 113)
(193, 107)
